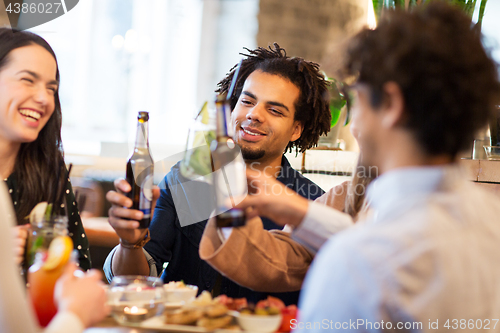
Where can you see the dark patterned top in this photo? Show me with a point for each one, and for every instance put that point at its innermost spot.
(75, 226)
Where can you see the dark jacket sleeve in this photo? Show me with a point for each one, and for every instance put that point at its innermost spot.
(162, 228)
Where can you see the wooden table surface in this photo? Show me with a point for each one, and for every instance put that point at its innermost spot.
(484, 173)
(99, 232)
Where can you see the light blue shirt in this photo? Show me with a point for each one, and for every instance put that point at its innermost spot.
(427, 259)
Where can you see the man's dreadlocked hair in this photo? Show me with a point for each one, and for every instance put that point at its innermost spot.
(311, 108)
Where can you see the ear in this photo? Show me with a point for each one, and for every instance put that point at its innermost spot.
(394, 105)
(298, 127)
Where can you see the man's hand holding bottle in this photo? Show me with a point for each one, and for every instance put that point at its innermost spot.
(124, 220)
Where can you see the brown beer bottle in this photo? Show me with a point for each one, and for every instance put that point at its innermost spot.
(140, 171)
(229, 170)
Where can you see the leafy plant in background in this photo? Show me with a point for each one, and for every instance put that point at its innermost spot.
(338, 94)
(338, 99)
(467, 6)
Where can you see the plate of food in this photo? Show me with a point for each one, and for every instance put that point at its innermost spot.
(203, 314)
(222, 314)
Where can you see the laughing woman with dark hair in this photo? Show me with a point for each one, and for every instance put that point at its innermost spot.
(30, 133)
(30, 155)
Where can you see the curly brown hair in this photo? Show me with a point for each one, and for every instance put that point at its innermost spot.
(312, 106)
(448, 80)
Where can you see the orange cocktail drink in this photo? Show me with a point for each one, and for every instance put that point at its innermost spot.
(43, 275)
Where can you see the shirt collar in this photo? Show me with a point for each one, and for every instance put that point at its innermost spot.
(408, 184)
(287, 173)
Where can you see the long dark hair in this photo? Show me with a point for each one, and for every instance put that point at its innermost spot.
(37, 161)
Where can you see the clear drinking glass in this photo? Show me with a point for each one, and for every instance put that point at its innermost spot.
(134, 298)
(492, 153)
(197, 163)
(42, 233)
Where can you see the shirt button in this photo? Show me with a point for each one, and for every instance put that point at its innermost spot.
(207, 284)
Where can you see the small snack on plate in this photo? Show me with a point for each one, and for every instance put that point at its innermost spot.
(202, 311)
(204, 299)
(214, 323)
(267, 307)
(183, 317)
(235, 304)
(216, 310)
(271, 302)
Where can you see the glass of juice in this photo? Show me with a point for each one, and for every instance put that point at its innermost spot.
(42, 233)
(43, 274)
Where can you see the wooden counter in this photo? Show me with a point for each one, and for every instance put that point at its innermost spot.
(483, 172)
(99, 232)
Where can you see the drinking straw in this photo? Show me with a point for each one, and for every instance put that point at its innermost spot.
(233, 81)
(66, 181)
(56, 191)
(81, 199)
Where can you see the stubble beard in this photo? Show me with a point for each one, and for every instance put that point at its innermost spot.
(252, 154)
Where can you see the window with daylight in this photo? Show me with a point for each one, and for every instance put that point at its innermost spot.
(118, 57)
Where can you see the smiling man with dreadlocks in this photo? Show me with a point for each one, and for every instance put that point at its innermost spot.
(279, 104)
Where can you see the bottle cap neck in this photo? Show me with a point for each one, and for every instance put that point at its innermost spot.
(142, 134)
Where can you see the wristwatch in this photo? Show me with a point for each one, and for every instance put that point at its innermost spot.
(137, 245)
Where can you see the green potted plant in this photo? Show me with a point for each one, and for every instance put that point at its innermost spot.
(468, 6)
(338, 96)
(339, 110)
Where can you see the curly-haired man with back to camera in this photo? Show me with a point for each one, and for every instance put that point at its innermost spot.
(426, 258)
(279, 103)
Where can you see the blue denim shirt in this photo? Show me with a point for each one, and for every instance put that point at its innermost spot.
(179, 245)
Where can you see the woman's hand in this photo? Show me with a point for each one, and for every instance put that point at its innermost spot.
(123, 219)
(270, 198)
(20, 234)
(84, 296)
